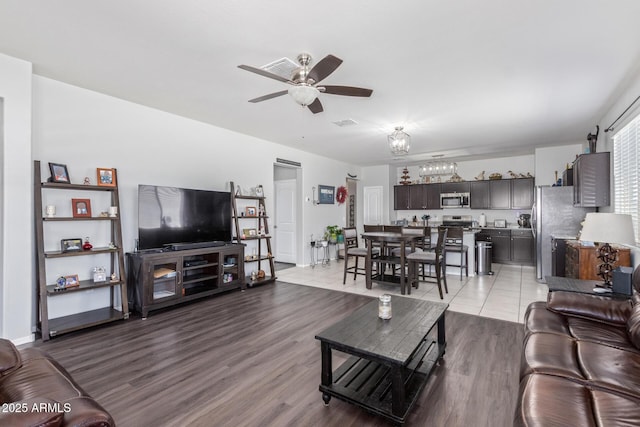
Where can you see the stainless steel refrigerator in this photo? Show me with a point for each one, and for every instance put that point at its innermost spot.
(553, 214)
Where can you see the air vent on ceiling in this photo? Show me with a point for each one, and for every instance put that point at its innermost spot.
(283, 67)
(345, 122)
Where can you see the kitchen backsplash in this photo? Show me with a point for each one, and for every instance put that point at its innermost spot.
(436, 215)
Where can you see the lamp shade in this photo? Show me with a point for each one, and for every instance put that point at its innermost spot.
(303, 94)
(608, 228)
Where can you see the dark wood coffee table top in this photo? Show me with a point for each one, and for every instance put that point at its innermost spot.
(394, 340)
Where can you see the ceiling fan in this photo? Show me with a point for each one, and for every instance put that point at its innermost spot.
(304, 82)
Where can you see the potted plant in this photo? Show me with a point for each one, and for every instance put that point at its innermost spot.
(334, 234)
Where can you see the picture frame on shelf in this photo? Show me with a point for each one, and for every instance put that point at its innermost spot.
(59, 173)
(326, 194)
(249, 232)
(71, 280)
(106, 177)
(250, 211)
(71, 245)
(259, 191)
(81, 208)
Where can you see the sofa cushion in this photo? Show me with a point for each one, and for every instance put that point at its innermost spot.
(550, 354)
(551, 401)
(10, 358)
(597, 308)
(539, 319)
(633, 325)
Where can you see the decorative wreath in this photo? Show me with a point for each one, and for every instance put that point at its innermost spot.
(341, 194)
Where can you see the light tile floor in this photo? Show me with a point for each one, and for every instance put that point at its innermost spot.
(504, 295)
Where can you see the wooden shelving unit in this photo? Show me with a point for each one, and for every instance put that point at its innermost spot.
(260, 221)
(49, 327)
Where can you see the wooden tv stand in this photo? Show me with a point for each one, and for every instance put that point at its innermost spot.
(163, 279)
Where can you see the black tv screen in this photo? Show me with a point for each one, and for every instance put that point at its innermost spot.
(168, 215)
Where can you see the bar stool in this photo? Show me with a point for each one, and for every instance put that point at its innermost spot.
(352, 250)
(418, 260)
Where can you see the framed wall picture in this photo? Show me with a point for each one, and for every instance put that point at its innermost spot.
(81, 208)
(59, 173)
(106, 177)
(250, 211)
(71, 245)
(326, 194)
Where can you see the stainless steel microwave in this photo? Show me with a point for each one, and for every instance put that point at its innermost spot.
(454, 200)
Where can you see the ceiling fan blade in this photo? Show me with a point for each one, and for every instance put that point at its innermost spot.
(316, 106)
(269, 96)
(324, 67)
(264, 73)
(346, 90)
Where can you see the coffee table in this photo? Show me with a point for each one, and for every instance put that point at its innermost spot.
(390, 361)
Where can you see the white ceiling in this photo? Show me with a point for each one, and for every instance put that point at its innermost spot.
(464, 77)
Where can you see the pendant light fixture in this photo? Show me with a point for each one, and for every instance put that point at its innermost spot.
(399, 142)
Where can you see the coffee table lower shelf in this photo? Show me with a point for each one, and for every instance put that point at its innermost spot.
(368, 383)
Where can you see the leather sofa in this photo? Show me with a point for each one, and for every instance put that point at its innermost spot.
(35, 390)
(580, 361)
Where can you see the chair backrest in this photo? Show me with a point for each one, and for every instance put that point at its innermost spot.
(392, 229)
(373, 228)
(350, 237)
(455, 235)
(423, 232)
(441, 247)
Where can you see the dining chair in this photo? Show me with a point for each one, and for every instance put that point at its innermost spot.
(353, 251)
(419, 259)
(454, 243)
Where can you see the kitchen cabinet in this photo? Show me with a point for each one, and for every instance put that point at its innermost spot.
(522, 193)
(591, 180)
(432, 196)
(522, 247)
(479, 195)
(500, 194)
(454, 187)
(401, 197)
(416, 197)
(501, 248)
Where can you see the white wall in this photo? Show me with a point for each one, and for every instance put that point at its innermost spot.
(550, 160)
(86, 130)
(16, 206)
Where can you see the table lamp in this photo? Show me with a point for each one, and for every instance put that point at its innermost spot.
(606, 228)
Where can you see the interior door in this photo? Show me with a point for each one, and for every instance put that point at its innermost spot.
(372, 214)
(285, 220)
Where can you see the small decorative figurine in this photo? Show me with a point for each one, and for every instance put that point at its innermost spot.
(112, 245)
(114, 278)
(61, 282)
(87, 180)
(87, 246)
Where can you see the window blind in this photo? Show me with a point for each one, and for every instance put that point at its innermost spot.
(626, 172)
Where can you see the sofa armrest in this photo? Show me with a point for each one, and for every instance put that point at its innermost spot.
(37, 412)
(593, 307)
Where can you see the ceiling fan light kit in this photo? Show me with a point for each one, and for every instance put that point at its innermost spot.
(399, 142)
(304, 82)
(303, 94)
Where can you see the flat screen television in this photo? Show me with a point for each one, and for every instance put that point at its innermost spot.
(170, 215)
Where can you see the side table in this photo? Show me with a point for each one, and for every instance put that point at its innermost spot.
(567, 284)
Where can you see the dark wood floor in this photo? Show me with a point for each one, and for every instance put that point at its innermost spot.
(250, 359)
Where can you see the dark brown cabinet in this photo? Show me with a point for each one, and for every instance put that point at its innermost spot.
(401, 197)
(416, 197)
(522, 247)
(432, 196)
(454, 187)
(479, 195)
(591, 180)
(522, 193)
(501, 248)
(500, 194)
(162, 279)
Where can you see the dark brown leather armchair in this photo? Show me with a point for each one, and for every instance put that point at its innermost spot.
(37, 391)
(581, 361)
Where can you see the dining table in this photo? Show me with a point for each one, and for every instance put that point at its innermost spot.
(387, 241)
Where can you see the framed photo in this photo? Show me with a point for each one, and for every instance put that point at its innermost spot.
(71, 245)
(59, 173)
(71, 281)
(326, 195)
(250, 211)
(106, 177)
(249, 232)
(259, 191)
(81, 208)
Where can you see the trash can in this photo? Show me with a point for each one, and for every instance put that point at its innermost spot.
(483, 258)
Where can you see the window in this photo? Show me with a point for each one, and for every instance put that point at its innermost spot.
(626, 172)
